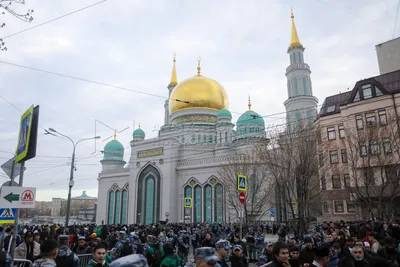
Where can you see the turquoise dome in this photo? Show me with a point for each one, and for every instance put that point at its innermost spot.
(114, 150)
(250, 122)
(138, 132)
(224, 113)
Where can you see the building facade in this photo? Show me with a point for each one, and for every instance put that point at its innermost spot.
(388, 54)
(358, 148)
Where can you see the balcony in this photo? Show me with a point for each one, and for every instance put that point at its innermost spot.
(297, 66)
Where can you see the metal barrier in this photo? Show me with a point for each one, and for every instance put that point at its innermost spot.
(22, 263)
(84, 259)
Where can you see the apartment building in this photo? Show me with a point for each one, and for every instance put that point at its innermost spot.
(359, 147)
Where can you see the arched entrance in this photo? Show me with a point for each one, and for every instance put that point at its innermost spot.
(148, 196)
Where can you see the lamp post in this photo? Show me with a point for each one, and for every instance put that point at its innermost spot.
(71, 175)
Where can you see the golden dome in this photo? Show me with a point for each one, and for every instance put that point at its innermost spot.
(198, 92)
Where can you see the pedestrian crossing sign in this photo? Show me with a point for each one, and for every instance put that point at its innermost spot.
(7, 216)
(242, 182)
(188, 202)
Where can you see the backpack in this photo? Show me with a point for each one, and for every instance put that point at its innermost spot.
(154, 257)
(126, 249)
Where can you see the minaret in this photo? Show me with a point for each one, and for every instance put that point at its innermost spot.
(301, 105)
(171, 86)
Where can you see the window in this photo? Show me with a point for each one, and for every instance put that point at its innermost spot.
(363, 149)
(369, 178)
(347, 182)
(367, 91)
(319, 138)
(334, 157)
(382, 117)
(294, 58)
(326, 207)
(359, 122)
(305, 85)
(331, 133)
(341, 131)
(331, 108)
(387, 146)
(357, 97)
(321, 159)
(378, 92)
(338, 206)
(296, 88)
(351, 207)
(323, 183)
(336, 181)
(393, 174)
(370, 119)
(344, 155)
(374, 148)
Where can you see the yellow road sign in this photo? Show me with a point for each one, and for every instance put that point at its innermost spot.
(188, 202)
(242, 182)
(24, 134)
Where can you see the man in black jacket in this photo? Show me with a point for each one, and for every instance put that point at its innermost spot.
(237, 258)
(281, 256)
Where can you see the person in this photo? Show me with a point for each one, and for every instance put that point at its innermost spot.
(266, 255)
(5, 259)
(294, 256)
(65, 257)
(280, 252)
(83, 247)
(223, 250)
(133, 260)
(48, 252)
(100, 256)
(322, 256)
(389, 251)
(357, 259)
(171, 259)
(204, 257)
(307, 254)
(237, 258)
(375, 246)
(29, 249)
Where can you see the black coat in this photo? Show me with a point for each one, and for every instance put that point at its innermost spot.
(238, 261)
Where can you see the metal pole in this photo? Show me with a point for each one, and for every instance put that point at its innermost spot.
(71, 184)
(14, 240)
(241, 222)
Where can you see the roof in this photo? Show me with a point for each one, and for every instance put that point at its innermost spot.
(84, 196)
(388, 83)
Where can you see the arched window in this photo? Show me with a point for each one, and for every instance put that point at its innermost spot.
(188, 194)
(305, 85)
(220, 138)
(111, 201)
(218, 203)
(226, 137)
(193, 141)
(199, 139)
(294, 58)
(118, 207)
(296, 88)
(148, 199)
(197, 204)
(208, 203)
(124, 207)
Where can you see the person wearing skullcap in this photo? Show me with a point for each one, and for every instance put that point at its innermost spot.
(65, 257)
(48, 252)
(322, 256)
(237, 258)
(83, 247)
(223, 250)
(307, 254)
(133, 260)
(294, 252)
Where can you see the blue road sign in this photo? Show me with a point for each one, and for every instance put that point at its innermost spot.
(7, 215)
(272, 212)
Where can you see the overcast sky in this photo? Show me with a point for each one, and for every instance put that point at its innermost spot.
(130, 44)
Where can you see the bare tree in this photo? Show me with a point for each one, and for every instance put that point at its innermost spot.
(7, 7)
(373, 164)
(292, 161)
(260, 189)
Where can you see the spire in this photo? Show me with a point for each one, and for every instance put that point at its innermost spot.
(295, 38)
(249, 104)
(198, 66)
(174, 79)
(115, 134)
(139, 125)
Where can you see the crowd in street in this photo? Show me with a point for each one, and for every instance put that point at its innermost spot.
(341, 244)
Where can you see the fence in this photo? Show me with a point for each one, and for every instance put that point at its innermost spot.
(22, 263)
(84, 259)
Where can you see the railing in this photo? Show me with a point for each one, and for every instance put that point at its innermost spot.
(22, 263)
(84, 259)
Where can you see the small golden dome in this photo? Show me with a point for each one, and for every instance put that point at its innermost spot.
(198, 92)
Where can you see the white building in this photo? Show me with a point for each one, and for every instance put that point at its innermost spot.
(183, 161)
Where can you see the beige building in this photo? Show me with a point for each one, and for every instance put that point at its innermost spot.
(58, 206)
(359, 148)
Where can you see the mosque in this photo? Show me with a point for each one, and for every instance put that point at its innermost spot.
(197, 138)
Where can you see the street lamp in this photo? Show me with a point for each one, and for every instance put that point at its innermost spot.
(71, 176)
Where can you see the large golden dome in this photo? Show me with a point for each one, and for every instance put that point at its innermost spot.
(198, 92)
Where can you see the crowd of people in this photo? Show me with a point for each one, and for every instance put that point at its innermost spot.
(361, 244)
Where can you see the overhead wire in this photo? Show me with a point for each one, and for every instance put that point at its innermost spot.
(54, 19)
